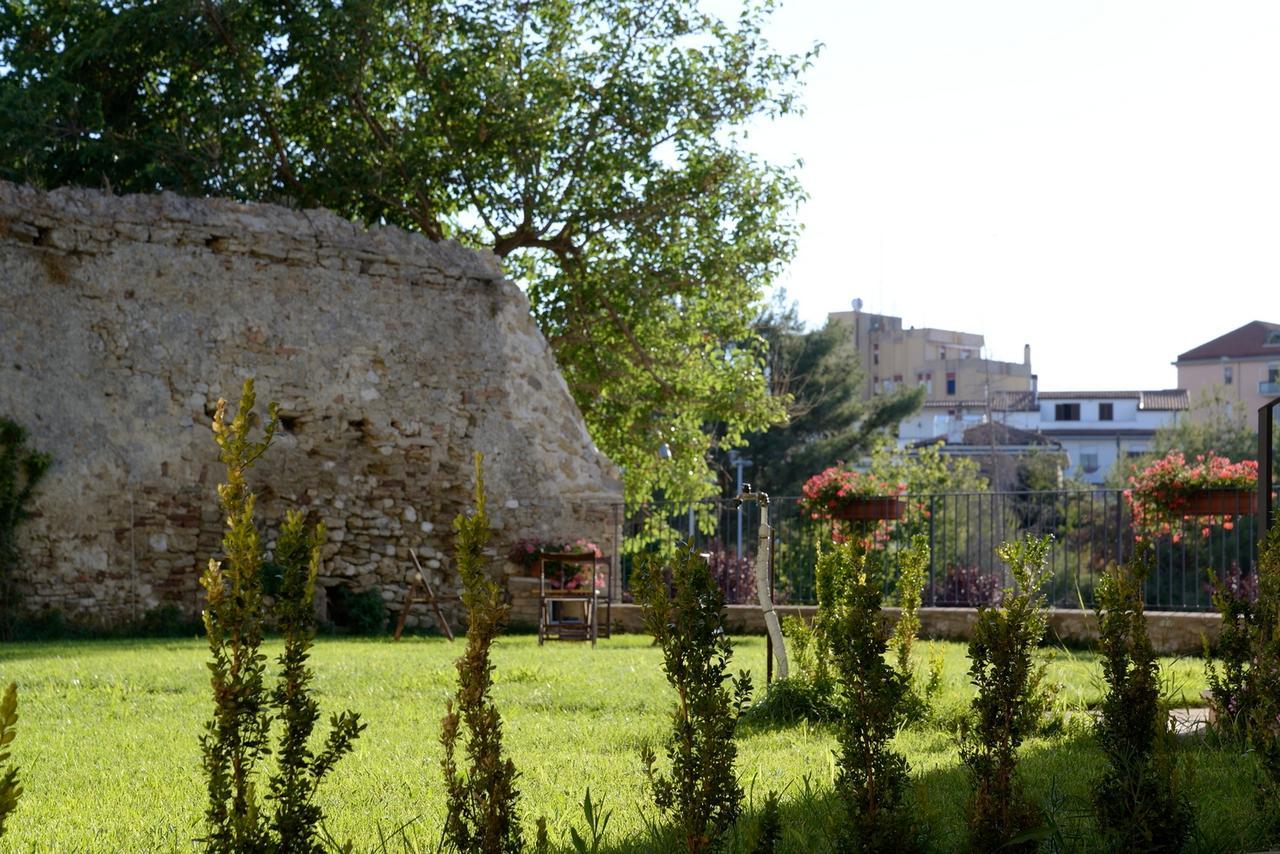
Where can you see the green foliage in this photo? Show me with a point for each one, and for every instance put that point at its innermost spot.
(9, 788)
(1227, 665)
(597, 146)
(237, 738)
(597, 819)
(1138, 801)
(1264, 679)
(21, 468)
(914, 567)
(871, 778)
(1216, 424)
(769, 825)
(357, 613)
(1007, 708)
(482, 801)
(827, 419)
(700, 792)
(297, 817)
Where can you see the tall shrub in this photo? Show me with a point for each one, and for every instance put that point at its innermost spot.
(871, 778)
(1264, 718)
(1007, 708)
(21, 468)
(1228, 675)
(296, 820)
(9, 788)
(700, 792)
(1137, 801)
(237, 738)
(914, 566)
(482, 801)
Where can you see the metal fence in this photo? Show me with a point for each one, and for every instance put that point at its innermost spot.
(1091, 528)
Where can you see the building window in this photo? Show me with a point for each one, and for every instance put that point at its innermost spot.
(888, 386)
(1273, 373)
(1106, 412)
(951, 383)
(1066, 412)
(1228, 374)
(1273, 338)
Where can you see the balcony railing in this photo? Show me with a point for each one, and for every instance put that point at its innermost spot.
(1271, 388)
(1092, 529)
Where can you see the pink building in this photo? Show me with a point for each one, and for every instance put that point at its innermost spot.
(1244, 363)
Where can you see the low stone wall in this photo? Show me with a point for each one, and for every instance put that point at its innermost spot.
(1172, 632)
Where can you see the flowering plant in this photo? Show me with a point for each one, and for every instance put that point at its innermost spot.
(525, 553)
(1160, 494)
(835, 488)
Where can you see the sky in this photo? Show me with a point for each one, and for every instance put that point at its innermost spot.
(1100, 180)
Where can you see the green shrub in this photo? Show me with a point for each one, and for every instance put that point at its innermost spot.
(700, 792)
(1228, 677)
(20, 470)
(9, 789)
(357, 613)
(1264, 719)
(1137, 800)
(1003, 667)
(237, 739)
(871, 778)
(769, 825)
(482, 802)
(921, 691)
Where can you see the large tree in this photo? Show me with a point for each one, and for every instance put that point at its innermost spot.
(594, 145)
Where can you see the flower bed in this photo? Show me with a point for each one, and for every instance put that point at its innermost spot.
(1211, 490)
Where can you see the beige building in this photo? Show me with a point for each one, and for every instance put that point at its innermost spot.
(1244, 365)
(948, 364)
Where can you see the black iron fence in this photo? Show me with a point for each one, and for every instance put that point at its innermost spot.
(1091, 528)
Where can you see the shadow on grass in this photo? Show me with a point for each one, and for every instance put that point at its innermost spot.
(1058, 773)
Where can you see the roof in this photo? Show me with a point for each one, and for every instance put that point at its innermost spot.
(1157, 400)
(985, 435)
(1175, 399)
(1248, 341)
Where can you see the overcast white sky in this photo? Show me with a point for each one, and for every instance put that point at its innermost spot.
(1100, 180)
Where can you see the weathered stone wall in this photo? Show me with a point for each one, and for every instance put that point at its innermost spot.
(393, 358)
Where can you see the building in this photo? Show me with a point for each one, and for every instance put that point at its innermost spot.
(999, 450)
(1243, 364)
(1095, 429)
(949, 365)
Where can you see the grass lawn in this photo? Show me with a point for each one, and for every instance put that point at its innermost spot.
(107, 741)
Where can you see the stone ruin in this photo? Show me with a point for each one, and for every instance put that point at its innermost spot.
(392, 357)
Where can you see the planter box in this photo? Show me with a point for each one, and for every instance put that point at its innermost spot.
(1221, 502)
(870, 509)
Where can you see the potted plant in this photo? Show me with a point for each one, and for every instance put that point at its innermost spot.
(1171, 489)
(839, 494)
(526, 553)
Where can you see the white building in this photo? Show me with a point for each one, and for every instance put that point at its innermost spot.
(1094, 428)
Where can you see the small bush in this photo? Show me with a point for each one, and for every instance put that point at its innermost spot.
(1137, 801)
(237, 738)
(1264, 687)
(1008, 705)
(967, 586)
(482, 802)
(357, 613)
(921, 692)
(1228, 676)
(21, 469)
(735, 576)
(871, 778)
(700, 792)
(9, 788)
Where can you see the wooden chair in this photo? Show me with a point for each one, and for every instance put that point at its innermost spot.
(420, 592)
(553, 621)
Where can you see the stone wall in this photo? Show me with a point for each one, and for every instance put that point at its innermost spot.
(1171, 632)
(393, 358)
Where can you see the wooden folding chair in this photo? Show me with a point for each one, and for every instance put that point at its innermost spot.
(420, 592)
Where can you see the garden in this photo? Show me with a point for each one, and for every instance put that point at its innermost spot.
(875, 740)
